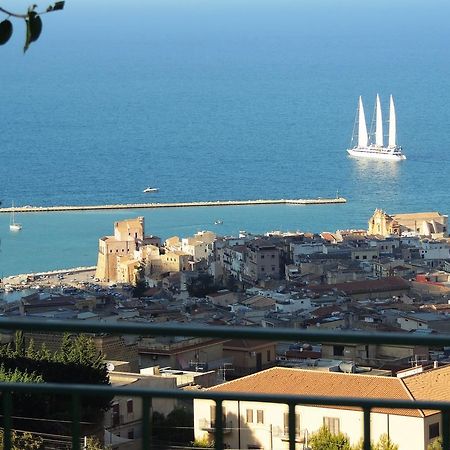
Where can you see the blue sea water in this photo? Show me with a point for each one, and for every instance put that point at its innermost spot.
(216, 100)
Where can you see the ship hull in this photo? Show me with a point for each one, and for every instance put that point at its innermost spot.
(376, 153)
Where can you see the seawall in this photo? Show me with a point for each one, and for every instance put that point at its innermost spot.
(299, 201)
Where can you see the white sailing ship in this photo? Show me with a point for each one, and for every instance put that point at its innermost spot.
(13, 225)
(369, 148)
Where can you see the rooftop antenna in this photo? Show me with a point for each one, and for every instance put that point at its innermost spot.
(224, 369)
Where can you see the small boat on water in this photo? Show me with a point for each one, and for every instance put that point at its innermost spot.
(372, 146)
(218, 222)
(150, 189)
(13, 225)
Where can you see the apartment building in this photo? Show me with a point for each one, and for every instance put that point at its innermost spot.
(265, 425)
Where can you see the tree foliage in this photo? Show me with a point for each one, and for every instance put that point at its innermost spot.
(176, 427)
(385, 443)
(203, 443)
(201, 285)
(93, 444)
(435, 444)
(77, 361)
(22, 441)
(324, 439)
(33, 23)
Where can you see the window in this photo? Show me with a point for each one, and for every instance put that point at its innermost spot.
(262, 256)
(338, 350)
(286, 424)
(115, 415)
(433, 430)
(129, 406)
(268, 355)
(332, 423)
(259, 416)
(131, 434)
(212, 410)
(249, 416)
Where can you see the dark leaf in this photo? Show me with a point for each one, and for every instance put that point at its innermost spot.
(34, 28)
(6, 30)
(58, 6)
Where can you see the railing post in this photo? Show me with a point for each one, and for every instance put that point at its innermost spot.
(445, 429)
(218, 434)
(76, 422)
(366, 411)
(146, 423)
(292, 426)
(7, 422)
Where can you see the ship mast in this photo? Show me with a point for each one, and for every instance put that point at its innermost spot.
(392, 124)
(378, 124)
(362, 128)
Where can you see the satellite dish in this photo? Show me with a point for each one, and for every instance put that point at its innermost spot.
(110, 366)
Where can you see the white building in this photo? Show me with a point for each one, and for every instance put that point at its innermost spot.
(434, 250)
(200, 246)
(265, 426)
(299, 251)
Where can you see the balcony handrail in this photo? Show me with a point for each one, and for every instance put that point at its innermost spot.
(282, 334)
(211, 424)
(93, 390)
(78, 391)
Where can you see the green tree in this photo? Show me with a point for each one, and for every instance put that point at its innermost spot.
(323, 439)
(23, 441)
(93, 444)
(17, 376)
(178, 425)
(78, 361)
(203, 443)
(31, 352)
(19, 342)
(385, 443)
(435, 444)
(201, 286)
(79, 350)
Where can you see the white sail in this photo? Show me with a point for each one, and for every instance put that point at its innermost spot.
(392, 124)
(362, 128)
(379, 124)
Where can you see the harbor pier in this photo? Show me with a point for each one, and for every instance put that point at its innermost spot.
(299, 201)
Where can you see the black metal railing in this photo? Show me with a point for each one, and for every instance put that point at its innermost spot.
(78, 391)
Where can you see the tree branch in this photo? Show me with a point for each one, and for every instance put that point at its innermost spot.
(9, 13)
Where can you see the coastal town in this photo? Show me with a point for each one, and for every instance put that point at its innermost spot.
(393, 276)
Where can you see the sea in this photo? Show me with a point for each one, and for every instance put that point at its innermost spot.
(216, 100)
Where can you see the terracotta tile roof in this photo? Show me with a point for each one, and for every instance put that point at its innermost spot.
(430, 385)
(328, 236)
(361, 287)
(280, 380)
(259, 301)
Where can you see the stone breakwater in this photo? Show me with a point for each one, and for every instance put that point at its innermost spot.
(299, 201)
